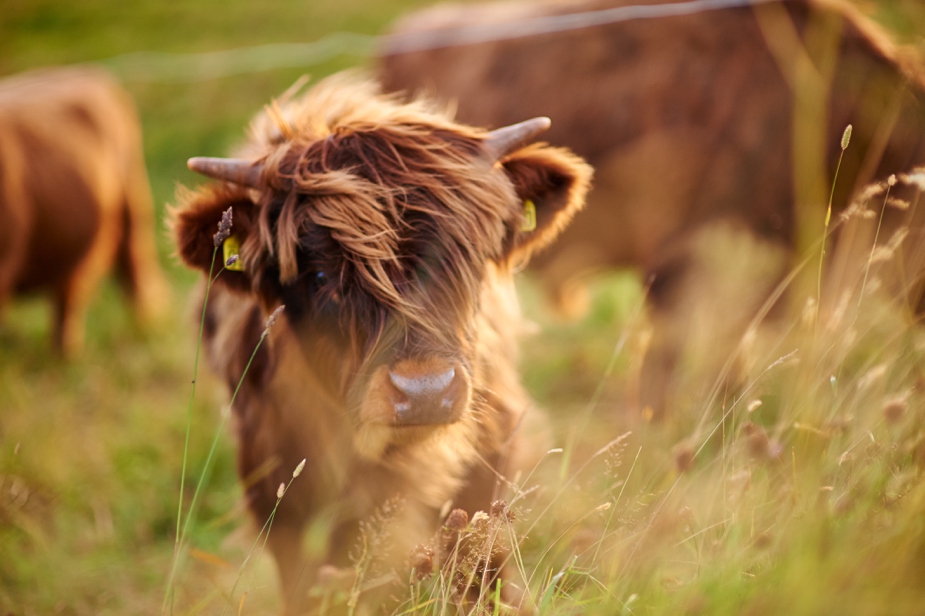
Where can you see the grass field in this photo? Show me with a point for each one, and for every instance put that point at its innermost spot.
(800, 493)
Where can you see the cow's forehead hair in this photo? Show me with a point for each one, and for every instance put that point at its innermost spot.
(398, 187)
(345, 102)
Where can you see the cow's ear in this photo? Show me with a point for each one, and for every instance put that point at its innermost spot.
(551, 185)
(195, 223)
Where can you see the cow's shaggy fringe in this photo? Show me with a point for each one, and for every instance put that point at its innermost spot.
(415, 158)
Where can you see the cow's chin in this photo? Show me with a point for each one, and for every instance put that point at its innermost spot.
(380, 442)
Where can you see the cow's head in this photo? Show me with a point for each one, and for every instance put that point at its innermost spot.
(380, 226)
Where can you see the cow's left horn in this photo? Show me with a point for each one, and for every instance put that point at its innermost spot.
(503, 141)
(238, 170)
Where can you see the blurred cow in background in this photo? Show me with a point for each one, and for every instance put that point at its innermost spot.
(74, 196)
(703, 120)
(390, 233)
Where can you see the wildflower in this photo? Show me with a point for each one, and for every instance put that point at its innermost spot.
(298, 469)
(894, 408)
(231, 260)
(757, 441)
(280, 490)
(458, 520)
(498, 508)
(422, 561)
(684, 458)
(224, 228)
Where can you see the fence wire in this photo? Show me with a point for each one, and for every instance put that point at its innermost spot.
(178, 67)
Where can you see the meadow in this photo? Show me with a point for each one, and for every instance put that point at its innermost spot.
(798, 491)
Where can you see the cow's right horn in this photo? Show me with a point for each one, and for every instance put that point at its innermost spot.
(238, 170)
(503, 141)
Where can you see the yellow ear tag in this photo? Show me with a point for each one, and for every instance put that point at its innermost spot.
(232, 247)
(529, 216)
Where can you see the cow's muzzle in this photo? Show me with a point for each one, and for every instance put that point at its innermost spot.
(423, 393)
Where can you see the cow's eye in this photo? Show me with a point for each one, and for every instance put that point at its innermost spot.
(318, 280)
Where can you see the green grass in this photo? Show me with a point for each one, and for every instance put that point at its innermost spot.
(825, 516)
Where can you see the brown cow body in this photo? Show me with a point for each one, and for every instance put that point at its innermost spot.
(389, 234)
(696, 123)
(74, 195)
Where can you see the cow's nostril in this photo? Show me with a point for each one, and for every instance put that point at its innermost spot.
(427, 385)
(425, 399)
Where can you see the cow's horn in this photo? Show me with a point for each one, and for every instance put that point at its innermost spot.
(238, 170)
(503, 141)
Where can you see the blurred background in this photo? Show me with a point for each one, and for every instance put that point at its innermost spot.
(90, 450)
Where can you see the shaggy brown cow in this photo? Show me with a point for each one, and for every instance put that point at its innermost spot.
(389, 232)
(699, 117)
(74, 195)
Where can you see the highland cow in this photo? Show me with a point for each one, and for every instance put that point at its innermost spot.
(74, 196)
(702, 119)
(389, 232)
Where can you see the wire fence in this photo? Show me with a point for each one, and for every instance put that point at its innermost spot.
(161, 66)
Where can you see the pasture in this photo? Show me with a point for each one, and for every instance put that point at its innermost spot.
(800, 490)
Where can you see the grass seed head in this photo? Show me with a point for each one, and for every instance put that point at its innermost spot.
(272, 319)
(846, 137)
(224, 228)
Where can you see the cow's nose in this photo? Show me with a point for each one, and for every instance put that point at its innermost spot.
(425, 398)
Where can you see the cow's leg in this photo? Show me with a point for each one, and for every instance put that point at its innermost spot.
(137, 260)
(73, 296)
(285, 543)
(283, 518)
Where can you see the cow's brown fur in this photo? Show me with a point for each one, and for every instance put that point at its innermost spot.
(693, 123)
(416, 234)
(74, 195)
